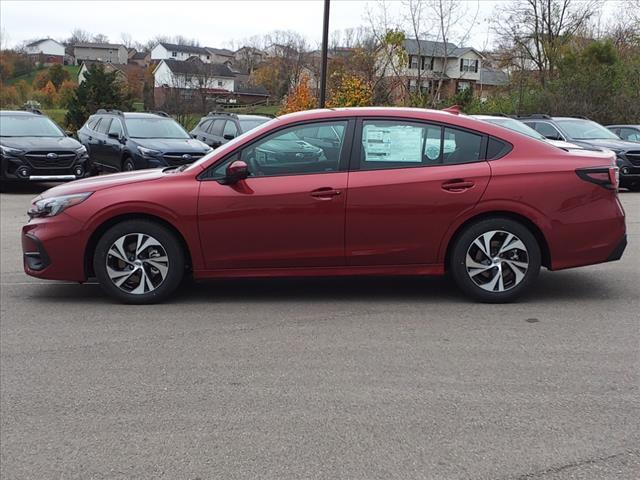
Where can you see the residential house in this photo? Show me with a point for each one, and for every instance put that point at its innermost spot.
(193, 77)
(46, 51)
(166, 51)
(249, 58)
(116, 54)
(491, 79)
(108, 67)
(130, 74)
(142, 59)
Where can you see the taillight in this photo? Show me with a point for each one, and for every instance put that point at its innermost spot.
(607, 177)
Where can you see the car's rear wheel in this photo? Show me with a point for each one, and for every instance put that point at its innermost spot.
(495, 260)
(139, 262)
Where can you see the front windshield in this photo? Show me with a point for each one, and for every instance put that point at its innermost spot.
(28, 126)
(517, 126)
(578, 129)
(155, 128)
(227, 147)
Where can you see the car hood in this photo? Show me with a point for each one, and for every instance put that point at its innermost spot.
(41, 143)
(611, 144)
(172, 144)
(93, 184)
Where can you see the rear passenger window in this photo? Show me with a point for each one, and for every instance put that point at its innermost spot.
(461, 146)
(205, 125)
(93, 121)
(389, 144)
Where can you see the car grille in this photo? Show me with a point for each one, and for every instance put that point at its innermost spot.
(39, 160)
(177, 158)
(634, 157)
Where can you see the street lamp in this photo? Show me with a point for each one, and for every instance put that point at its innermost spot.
(325, 42)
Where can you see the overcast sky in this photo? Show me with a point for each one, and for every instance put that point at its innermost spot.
(214, 23)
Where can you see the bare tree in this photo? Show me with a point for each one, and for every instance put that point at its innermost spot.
(540, 29)
(78, 36)
(100, 38)
(127, 39)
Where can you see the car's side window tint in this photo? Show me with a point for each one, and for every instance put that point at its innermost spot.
(230, 129)
(497, 149)
(205, 125)
(548, 130)
(397, 144)
(216, 127)
(295, 151)
(92, 122)
(116, 127)
(461, 146)
(103, 127)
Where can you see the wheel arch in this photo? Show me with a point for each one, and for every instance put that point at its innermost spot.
(527, 222)
(110, 222)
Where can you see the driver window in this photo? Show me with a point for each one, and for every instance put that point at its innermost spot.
(230, 129)
(547, 130)
(304, 149)
(115, 127)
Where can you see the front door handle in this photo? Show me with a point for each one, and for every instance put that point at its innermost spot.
(457, 185)
(325, 193)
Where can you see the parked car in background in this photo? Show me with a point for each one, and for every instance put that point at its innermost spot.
(34, 148)
(630, 133)
(488, 205)
(119, 141)
(588, 133)
(217, 128)
(518, 126)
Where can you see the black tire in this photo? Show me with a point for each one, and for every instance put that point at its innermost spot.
(167, 241)
(128, 165)
(464, 243)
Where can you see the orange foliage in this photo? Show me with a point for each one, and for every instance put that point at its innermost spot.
(300, 98)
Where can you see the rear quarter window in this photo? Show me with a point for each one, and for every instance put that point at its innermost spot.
(497, 148)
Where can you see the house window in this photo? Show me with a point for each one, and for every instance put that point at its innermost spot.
(208, 57)
(174, 54)
(426, 64)
(414, 61)
(468, 65)
(220, 83)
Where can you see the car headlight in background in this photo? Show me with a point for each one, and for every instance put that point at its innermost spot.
(15, 152)
(148, 152)
(52, 206)
(82, 150)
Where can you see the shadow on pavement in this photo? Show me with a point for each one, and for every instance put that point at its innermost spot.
(551, 286)
(27, 188)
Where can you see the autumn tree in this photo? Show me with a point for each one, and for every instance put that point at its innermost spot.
(50, 94)
(350, 91)
(299, 98)
(57, 74)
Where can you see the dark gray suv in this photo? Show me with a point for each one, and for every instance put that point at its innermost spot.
(218, 128)
(589, 134)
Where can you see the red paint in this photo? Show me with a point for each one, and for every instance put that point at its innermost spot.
(379, 222)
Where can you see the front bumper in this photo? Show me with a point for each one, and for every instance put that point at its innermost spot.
(52, 248)
(617, 252)
(16, 169)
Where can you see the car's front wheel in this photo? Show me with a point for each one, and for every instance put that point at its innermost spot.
(128, 165)
(495, 260)
(139, 262)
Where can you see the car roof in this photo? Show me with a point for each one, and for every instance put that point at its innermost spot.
(624, 125)
(252, 117)
(132, 114)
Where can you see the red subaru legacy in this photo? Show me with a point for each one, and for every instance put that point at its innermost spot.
(370, 191)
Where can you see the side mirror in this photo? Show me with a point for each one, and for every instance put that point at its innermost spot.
(236, 171)
(114, 135)
(68, 133)
(228, 136)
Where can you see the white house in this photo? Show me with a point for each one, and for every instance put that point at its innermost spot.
(193, 74)
(46, 51)
(102, 52)
(170, 51)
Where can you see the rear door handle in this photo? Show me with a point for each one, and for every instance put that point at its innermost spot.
(325, 193)
(457, 185)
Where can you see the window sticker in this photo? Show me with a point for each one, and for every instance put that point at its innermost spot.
(392, 143)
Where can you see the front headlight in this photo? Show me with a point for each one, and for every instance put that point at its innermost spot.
(50, 207)
(148, 152)
(15, 152)
(82, 150)
(208, 150)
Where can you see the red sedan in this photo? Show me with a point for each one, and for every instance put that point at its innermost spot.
(372, 191)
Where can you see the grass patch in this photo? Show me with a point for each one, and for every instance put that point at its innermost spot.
(56, 114)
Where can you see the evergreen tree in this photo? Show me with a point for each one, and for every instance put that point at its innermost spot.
(100, 89)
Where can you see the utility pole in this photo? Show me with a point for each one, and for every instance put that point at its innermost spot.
(325, 44)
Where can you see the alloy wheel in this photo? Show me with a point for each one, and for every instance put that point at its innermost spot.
(497, 261)
(137, 263)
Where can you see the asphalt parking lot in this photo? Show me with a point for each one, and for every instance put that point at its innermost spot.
(332, 378)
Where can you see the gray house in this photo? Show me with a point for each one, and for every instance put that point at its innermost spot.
(102, 52)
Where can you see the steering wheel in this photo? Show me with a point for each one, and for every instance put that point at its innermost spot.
(252, 164)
